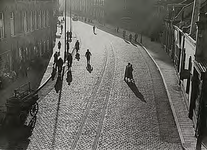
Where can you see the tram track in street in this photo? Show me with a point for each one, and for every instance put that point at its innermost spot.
(90, 101)
(105, 106)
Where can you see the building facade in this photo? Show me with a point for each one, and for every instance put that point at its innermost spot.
(27, 31)
(93, 9)
(188, 53)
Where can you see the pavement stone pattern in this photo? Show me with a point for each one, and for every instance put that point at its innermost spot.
(178, 102)
(137, 124)
(99, 110)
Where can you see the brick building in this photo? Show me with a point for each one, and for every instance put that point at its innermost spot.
(27, 31)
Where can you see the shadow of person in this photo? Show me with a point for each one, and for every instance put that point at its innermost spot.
(89, 68)
(95, 33)
(69, 76)
(134, 88)
(58, 84)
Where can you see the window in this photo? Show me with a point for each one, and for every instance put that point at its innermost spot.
(25, 21)
(12, 23)
(36, 18)
(31, 21)
(40, 20)
(21, 21)
(47, 18)
(1, 25)
(43, 18)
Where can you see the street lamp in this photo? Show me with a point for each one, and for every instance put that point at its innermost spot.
(70, 18)
(65, 33)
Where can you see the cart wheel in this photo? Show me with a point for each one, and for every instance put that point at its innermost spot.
(32, 123)
(34, 109)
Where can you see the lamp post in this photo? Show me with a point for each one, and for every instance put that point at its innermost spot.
(65, 34)
(70, 18)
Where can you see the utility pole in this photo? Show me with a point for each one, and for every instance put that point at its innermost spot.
(65, 34)
(70, 18)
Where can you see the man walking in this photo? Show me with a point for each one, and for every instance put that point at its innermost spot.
(59, 45)
(94, 29)
(88, 56)
(77, 45)
(135, 37)
(124, 34)
(70, 60)
(61, 29)
(55, 57)
(60, 65)
(130, 37)
(128, 77)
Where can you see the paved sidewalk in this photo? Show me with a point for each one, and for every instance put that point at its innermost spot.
(169, 75)
(48, 71)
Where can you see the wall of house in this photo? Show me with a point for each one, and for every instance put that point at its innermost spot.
(190, 48)
(26, 42)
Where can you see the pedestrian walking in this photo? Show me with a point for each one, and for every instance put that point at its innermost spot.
(60, 65)
(70, 36)
(128, 77)
(77, 45)
(77, 56)
(59, 45)
(55, 57)
(88, 56)
(124, 34)
(130, 37)
(67, 45)
(54, 70)
(67, 35)
(135, 37)
(70, 60)
(117, 29)
(61, 28)
(94, 29)
(69, 76)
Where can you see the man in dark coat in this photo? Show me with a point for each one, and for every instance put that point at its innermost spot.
(88, 56)
(61, 28)
(55, 57)
(135, 37)
(69, 76)
(59, 45)
(128, 77)
(70, 60)
(94, 29)
(124, 34)
(130, 37)
(77, 45)
(60, 65)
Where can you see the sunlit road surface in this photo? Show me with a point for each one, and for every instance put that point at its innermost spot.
(99, 110)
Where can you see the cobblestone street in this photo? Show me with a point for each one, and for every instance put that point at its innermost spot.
(99, 110)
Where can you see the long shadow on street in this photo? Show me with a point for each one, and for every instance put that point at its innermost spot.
(136, 91)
